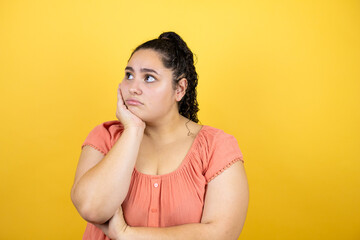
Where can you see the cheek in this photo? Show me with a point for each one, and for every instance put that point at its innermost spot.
(123, 87)
(163, 98)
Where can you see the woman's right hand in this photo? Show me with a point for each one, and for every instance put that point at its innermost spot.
(127, 118)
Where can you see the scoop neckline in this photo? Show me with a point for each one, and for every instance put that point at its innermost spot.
(183, 162)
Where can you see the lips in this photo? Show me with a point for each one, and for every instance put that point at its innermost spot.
(132, 101)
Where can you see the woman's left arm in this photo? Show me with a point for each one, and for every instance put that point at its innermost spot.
(224, 213)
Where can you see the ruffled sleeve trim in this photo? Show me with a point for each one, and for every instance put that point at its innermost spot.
(97, 148)
(224, 168)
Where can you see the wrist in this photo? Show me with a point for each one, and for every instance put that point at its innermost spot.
(125, 234)
(136, 129)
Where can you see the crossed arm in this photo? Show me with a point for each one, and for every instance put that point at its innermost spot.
(225, 206)
(223, 218)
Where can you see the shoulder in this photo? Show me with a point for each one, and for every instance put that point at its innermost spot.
(104, 135)
(112, 126)
(217, 142)
(222, 151)
(216, 136)
(107, 128)
(222, 144)
(110, 129)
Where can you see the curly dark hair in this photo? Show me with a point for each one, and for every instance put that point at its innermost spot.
(176, 55)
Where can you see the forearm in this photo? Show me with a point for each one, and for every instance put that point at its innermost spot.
(195, 231)
(103, 188)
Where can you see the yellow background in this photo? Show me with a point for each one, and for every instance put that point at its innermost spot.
(283, 77)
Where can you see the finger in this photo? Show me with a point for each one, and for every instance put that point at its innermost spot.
(119, 96)
(118, 92)
(122, 98)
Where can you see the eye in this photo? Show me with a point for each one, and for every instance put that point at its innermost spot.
(127, 74)
(150, 78)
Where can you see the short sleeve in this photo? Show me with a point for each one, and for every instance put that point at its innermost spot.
(99, 138)
(223, 153)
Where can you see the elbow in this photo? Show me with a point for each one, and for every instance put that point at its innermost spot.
(224, 231)
(88, 210)
(92, 216)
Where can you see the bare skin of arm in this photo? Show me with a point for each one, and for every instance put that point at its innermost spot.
(98, 179)
(102, 183)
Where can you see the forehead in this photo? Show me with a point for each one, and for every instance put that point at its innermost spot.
(146, 58)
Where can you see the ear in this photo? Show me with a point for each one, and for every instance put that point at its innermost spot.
(181, 89)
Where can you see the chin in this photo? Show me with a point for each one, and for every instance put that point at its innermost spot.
(136, 112)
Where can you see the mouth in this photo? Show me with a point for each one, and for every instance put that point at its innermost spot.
(133, 102)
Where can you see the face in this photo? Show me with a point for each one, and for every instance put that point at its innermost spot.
(149, 82)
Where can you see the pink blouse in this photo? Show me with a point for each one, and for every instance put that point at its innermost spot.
(174, 198)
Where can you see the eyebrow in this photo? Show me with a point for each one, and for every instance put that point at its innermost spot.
(142, 70)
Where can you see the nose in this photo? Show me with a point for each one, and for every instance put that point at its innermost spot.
(135, 88)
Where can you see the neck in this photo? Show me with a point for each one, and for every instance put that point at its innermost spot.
(164, 131)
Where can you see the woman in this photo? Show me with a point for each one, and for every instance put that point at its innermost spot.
(155, 173)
